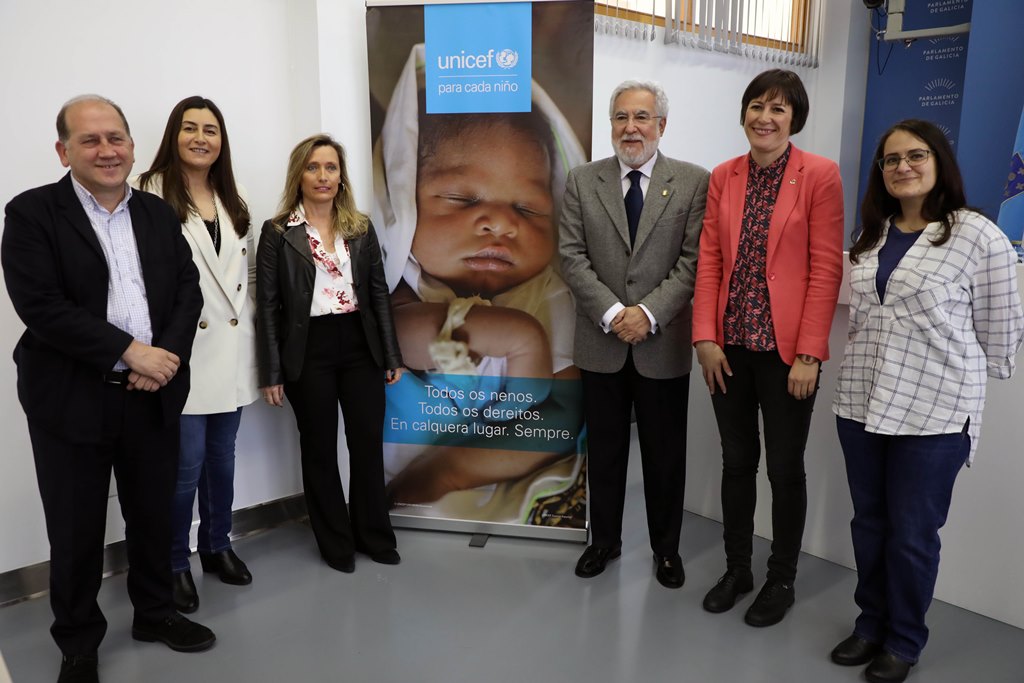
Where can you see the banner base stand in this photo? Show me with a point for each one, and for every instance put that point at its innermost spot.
(486, 529)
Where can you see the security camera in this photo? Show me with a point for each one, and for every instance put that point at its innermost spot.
(873, 4)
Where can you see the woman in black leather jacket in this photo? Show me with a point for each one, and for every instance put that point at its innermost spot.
(325, 336)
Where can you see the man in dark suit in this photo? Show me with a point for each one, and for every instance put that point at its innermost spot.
(629, 232)
(105, 284)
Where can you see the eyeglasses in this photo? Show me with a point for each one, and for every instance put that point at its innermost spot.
(915, 157)
(641, 118)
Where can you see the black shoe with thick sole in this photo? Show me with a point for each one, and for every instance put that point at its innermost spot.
(724, 594)
(771, 604)
(854, 651)
(176, 632)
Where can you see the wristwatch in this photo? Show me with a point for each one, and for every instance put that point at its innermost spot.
(807, 359)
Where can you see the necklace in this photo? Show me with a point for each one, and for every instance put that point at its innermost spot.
(213, 227)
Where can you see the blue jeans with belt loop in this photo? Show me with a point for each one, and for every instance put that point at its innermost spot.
(206, 463)
(901, 488)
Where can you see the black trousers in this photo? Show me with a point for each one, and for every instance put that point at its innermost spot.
(760, 381)
(74, 484)
(660, 406)
(339, 369)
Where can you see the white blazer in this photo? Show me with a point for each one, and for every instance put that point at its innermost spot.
(224, 352)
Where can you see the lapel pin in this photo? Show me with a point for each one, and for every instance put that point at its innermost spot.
(664, 193)
(792, 181)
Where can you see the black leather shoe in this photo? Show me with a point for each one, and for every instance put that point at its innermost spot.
(346, 565)
(176, 632)
(730, 587)
(227, 566)
(668, 569)
(79, 669)
(594, 559)
(183, 592)
(887, 668)
(390, 556)
(771, 604)
(855, 651)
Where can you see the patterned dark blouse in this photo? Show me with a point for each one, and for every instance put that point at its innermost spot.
(748, 315)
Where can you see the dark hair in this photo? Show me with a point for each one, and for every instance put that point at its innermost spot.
(167, 165)
(786, 85)
(435, 129)
(946, 197)
(62, 116)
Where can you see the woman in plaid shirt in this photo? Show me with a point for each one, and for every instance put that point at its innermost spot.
(934, 311)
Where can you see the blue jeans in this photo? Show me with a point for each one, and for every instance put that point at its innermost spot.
(901, 488)
(206, 463)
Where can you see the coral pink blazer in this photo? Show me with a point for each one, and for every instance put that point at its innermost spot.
(804, 267)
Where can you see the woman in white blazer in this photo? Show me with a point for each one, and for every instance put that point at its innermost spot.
(192, 172)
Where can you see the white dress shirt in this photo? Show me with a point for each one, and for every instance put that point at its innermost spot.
(127, 306)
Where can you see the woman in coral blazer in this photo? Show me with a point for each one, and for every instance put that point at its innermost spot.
(768, 275)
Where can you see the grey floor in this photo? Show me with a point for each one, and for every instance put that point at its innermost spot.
(512, 611)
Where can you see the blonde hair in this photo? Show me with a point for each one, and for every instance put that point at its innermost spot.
(348, 221)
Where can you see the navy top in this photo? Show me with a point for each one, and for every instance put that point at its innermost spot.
(896, 246)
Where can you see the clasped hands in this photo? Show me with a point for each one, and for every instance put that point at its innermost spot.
(150, 366)
(631, 325)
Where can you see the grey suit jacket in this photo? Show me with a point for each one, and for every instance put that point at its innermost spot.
(658, 271)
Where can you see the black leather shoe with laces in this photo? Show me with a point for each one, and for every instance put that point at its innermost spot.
(771, 603)
(730, 587)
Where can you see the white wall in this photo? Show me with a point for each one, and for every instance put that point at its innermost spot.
(283, 70)
(257, 59)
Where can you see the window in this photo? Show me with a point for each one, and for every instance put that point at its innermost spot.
(782, 30)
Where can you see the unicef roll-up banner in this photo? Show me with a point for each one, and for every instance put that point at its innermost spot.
(479, 110)
(921, 79)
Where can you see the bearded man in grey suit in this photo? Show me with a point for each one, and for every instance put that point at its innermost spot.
(629, 232)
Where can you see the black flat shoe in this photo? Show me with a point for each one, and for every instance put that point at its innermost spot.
(227, 566)
(668, 569)
(594, 559)
(855, 651)
(346, 565)
(887, 668)
(724, 594)
(176, 632)
(389, 556)
(79, 669)
(183, 592)
(771, 604)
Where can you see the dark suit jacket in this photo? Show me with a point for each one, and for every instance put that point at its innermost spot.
(285, 273)
(658, 271)
(57, 278)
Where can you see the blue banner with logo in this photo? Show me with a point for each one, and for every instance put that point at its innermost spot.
(478, 57)
(1011, 210)
(477, 110)
(921, 80)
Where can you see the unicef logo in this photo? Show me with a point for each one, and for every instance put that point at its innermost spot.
(507, 58)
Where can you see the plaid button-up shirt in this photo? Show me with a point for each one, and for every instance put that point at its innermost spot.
(917, 364)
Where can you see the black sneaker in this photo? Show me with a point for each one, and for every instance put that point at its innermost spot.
(176, 632)
(771, 604)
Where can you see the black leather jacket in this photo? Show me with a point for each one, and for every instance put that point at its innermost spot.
(285, 273)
